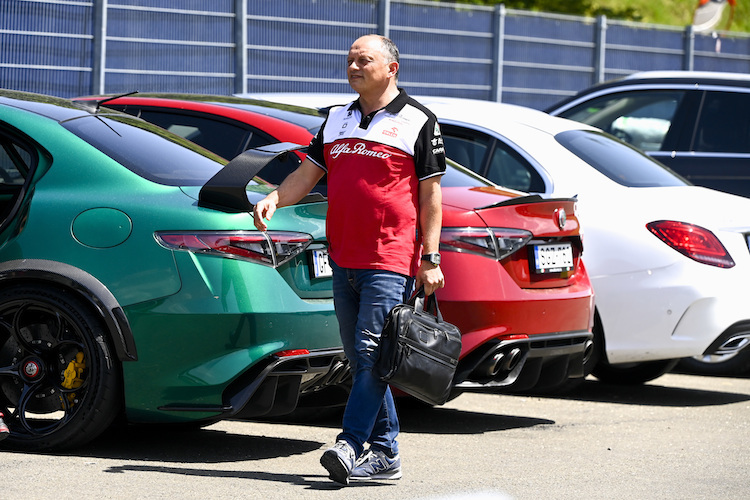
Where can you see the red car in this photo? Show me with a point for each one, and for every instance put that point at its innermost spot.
(515, 282)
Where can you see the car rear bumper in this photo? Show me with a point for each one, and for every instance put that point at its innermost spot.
(275, 386)
(669, 313)
(533, 362)
(211, 350)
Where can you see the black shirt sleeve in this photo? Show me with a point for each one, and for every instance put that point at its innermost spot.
(429, 151)
(315, 149)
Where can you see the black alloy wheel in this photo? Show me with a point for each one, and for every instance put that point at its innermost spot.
(59, 382)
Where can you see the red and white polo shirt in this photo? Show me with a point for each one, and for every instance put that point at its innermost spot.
(374, 164)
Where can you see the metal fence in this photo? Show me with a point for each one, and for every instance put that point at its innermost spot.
(68, 48)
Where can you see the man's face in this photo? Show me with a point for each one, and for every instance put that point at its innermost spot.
(367, 68)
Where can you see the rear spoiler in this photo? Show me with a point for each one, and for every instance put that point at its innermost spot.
(226, 191)
(531, 198)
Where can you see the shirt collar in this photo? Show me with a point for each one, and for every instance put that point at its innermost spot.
(393, 107)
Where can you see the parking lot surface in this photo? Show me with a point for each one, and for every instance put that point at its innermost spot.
(679, 437)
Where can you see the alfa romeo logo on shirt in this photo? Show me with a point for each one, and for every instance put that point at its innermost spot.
(359, 148)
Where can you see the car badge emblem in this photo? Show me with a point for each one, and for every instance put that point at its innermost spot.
(32, 369)
(560, 217)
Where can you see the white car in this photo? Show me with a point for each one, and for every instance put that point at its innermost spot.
(669, 261)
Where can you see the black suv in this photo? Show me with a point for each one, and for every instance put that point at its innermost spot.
(696, 123)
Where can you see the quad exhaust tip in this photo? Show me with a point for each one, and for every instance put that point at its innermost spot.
(503, 361)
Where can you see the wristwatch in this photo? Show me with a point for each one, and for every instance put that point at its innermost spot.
(432, 258)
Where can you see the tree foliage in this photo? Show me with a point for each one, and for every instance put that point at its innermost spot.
(574, 7)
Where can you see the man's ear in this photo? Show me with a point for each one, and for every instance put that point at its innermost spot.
(393, 68)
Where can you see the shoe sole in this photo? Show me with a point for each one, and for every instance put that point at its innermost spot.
(337, 470)
(380, 476)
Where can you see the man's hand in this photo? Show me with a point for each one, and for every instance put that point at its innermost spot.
(294, 188)
(264, 209)
(429, 276)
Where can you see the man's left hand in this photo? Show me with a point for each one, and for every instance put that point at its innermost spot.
(431, 277)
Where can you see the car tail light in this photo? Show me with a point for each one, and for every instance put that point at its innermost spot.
(292, 352)
(272, 248)
(693, 241)
(496, 242)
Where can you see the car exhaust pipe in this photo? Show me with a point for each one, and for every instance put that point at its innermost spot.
(588, 350)
(733, 344)
(502, 361)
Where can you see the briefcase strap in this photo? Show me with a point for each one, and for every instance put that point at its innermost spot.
(417, 300)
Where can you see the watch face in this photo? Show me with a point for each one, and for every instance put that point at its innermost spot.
(432, 258)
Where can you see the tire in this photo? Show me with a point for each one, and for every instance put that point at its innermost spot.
(735, 364)
(632, 373)
(59, 381)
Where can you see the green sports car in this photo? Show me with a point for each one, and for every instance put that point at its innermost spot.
(133, 282)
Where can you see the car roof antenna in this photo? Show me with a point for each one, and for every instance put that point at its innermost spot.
(100, 102)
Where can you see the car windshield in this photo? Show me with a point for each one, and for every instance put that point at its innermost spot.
(618, 161)
(147, 150)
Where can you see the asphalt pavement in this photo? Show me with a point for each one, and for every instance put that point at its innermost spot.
(678, 437)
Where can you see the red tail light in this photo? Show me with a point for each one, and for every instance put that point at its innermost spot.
(292, 352)
(272, 248)
(693, 241)
(496, 243)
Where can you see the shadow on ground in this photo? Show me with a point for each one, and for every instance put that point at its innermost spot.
(651, 394)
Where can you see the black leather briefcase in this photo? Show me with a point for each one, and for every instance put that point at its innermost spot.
(419, 351)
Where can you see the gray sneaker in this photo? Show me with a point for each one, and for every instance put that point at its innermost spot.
(339, 461)
(375, 464)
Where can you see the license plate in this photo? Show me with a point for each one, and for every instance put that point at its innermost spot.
(321, 268)
(553, 258)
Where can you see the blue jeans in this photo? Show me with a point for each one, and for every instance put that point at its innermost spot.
(363, 298)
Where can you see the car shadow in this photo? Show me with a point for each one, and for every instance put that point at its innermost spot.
(162, 443)
(650, 394)
(420, 418)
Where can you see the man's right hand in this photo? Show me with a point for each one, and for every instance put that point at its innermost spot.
(294, 188)
(264, 209)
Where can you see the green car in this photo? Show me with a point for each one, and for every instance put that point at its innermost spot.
(133, 282)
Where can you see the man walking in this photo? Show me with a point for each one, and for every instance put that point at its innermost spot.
(384, 157)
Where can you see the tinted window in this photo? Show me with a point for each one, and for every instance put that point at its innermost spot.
(621, 163)
(221, 137)
(724, 123)
(14, 163)
(469, 151)
(225, 139)
(456, 176)
(147, 150)
(641, 118)
(311, 122)
(16, 169)
(505, 167)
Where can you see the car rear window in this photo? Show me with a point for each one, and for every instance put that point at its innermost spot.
(147, 150)
(458, 176)
(618, 161)
(310, 122)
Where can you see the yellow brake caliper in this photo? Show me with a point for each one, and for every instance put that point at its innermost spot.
(72, 375)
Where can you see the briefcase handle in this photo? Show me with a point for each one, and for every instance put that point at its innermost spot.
(431, 306)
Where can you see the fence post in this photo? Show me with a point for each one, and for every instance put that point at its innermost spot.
(240, 43)
(384, 18)
(600, 55)
(99, 50)
(688, 59)
(498, 56)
